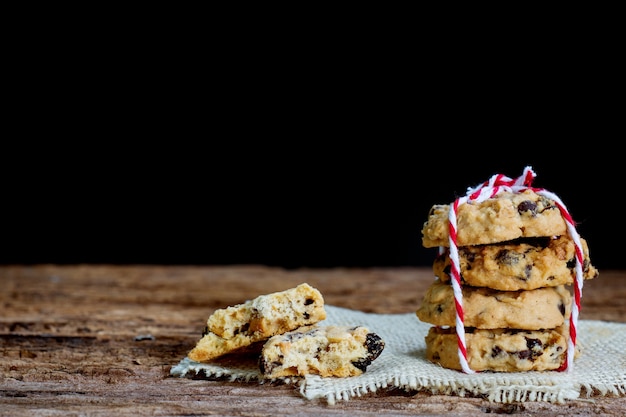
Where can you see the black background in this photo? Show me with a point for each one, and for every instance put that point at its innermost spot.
(315, 156)
(293, 204)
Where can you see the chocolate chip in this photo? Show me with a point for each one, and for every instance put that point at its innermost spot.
(496, 351)
(562, 309)
(527, 205)
(507, 257)
(205, 331)
(528, 271)
(533, 344)
(243, 329)
(535, 349)
(308, 301)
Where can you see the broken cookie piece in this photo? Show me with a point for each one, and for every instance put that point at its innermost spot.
(239, 326)
(339, 351)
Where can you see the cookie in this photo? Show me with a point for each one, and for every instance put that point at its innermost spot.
(507, 216)
(485, 308)
(522, 264)
(338, 351)
(255, 320)
(500, 350)
(211, 346)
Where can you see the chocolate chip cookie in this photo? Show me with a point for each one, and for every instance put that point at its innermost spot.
(507, 216)
(485, 308)
(521, 264)
(500, 350)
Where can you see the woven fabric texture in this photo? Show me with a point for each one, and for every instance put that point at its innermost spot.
(599, 370)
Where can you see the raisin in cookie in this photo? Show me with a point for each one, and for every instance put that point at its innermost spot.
(485, 308)
(339, 351)
(506, 216)
(500, 350)
(259, 319)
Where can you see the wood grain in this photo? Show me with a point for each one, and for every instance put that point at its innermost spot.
(101, 339)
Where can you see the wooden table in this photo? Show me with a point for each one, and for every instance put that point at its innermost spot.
(101, 339)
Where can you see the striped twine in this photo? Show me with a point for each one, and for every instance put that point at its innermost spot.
(495, 185)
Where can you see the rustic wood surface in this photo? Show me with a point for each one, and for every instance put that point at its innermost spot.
(100, 340)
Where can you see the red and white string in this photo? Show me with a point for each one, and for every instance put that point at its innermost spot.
(495, 185)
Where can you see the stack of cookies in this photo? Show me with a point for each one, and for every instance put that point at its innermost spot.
(516, 264)
(282, 330)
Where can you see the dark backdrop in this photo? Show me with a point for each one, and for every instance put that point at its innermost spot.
(294, 151)
(291, 204)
